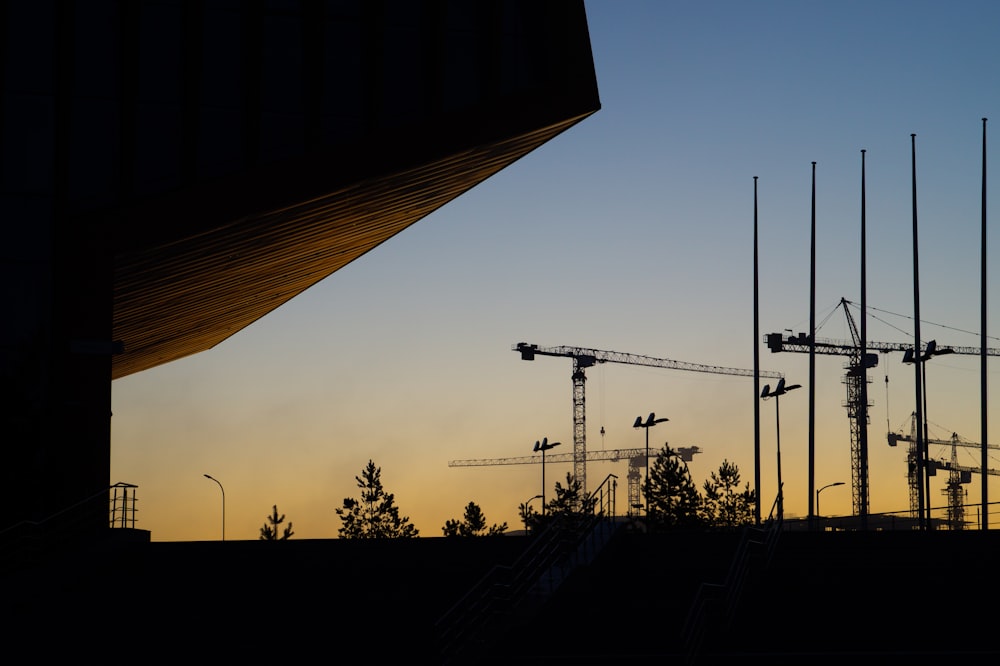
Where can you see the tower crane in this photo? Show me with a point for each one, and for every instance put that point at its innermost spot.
(585, 358)
(856, 374)
(636, 459)
(957, 474)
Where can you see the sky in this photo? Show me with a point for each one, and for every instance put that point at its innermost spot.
(631, 232)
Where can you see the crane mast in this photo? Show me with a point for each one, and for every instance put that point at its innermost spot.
(855, 381)
(958, 475)
(584, 358)
(858, 363)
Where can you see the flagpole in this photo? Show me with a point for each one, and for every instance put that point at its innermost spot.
(812, 353)
(863, 357)
(921, 453)
(982, 350)
(756, 366)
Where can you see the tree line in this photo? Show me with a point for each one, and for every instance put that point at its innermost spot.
(672, 501)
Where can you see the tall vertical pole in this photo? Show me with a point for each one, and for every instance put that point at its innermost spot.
(927, 456)
(756, 367)
(781, 487)
(646, 493)
(812, 353)
(862, 414)
(982, 349)
(918, 362)
(208, 476)
(543, 482)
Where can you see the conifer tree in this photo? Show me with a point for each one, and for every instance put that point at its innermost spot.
(473, 524)
(528, 516)
(569, 506)
(570, 499)
(375, 515)
(725, 505)
(270, 532)
(671, 495)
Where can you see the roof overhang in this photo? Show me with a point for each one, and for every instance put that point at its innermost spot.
(195, 268)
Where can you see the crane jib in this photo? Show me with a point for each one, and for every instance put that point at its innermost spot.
(585, 358)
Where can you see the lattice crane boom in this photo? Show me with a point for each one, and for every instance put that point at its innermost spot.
(777, 342)
(635, 457)
(957, 474)
(589, 357)
(584, 358)
(614, 455)
(856, 375)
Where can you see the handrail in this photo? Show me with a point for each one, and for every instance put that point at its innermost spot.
(604, 499)
(729, 592)
(502, 584)
(91, 498)
(544, 564)
(774, 507)
(28, 541)
(123, 506)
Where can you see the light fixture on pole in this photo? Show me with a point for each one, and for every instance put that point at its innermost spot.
(223, 505)
(780, 390)
(650, 421)
(829, 485)
(526, 510)
(923, 470)
(544, 446)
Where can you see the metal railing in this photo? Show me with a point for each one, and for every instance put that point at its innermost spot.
(902, 520)
(566, 542)
(718, 601)
(123, 505)
(28, 539)
(604, 496)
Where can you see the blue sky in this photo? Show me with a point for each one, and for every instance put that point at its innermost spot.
(631, 232)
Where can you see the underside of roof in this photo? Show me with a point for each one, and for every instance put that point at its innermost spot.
(248, 194)
(186, 296)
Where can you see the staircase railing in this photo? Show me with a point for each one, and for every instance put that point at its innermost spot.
(719, 601)
(566, 542)
(587, 534)
(27, 539)
(123, 505)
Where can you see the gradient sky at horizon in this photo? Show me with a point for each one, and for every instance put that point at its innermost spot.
(631, 232)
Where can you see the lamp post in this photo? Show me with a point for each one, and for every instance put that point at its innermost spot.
(650, 421)
(544, 446)
(829, 485)
(223, 505)
(526, 514)
(909, 356)
(780, 390)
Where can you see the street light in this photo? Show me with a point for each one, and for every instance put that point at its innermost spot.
(780, 390)
(923, 473)
(544, 446)
(223, 505)
(650, 421)
(527, 509)
(829, 485)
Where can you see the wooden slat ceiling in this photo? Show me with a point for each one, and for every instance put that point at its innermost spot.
(184, 297)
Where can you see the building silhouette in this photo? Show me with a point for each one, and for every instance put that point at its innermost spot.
(174, 170)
